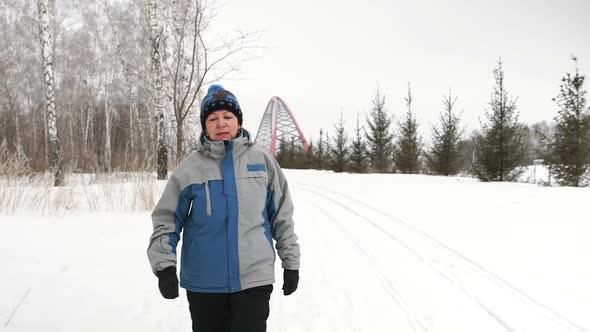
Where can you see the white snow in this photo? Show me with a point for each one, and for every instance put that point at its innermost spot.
(379, 253)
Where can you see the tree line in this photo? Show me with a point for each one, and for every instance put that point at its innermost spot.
(91, 86)
(95, 86)
(498, 151)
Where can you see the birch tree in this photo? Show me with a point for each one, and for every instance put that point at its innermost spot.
(107, 124)
(47, 58)
(155, 34)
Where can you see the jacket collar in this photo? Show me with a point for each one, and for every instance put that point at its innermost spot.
(216, 149)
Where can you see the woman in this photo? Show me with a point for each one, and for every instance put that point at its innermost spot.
(229, 199)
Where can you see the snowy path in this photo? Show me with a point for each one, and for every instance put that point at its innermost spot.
(366, 265)
(438, 288)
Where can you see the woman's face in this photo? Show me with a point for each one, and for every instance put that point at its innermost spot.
(222, 125)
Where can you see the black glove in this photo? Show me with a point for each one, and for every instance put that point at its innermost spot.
(168, 282)
(290, 281)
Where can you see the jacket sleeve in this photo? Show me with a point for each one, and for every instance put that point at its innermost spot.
(281, 217)
(168, 218)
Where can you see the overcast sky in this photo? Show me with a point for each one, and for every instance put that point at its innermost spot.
(329, 56)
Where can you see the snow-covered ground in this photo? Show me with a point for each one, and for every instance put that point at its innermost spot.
(379, 253)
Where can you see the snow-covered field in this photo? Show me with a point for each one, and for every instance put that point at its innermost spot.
(379, 253)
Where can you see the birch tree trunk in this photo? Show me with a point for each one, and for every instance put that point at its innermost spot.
(45, 138)
(140, 125)
(107, 124)
(91, 131)
(71, 136)
(179, 77)
(19, 147)
(34, 134)
(87, 125)
(133, 102)
(179, 141)
(33, 150)
(131, 124)
(162, 152)
(47, 59)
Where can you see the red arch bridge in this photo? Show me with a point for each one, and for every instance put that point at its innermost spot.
(278, 124)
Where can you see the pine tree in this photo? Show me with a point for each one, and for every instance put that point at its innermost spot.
(568, 152)
(339, 149)
(501, 146)
(541, 133)
(378, 137)
(467, 152)
(358, 151)
(407, 148)
(292, 155)
(328, 157)
(321, 154)
(445, 156)
(285, 154)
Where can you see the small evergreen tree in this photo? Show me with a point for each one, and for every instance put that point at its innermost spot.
(339, 149)
(328, 160)
(358, 151)
(501, 146)
(407, 148)
(321, 154)
(542, 131)
(530, 138)
(309, 158)
(467, 153)
(301, 158)
(292, 155)
(378, 137)
(285, 154)
(568, 152)
(445, 156)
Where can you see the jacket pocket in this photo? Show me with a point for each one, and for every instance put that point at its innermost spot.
(208, 198)
(198, 204)
(204, 263)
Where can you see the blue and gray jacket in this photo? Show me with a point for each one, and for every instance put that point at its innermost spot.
(228, 201)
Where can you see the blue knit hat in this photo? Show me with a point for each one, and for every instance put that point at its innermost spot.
(218, 98)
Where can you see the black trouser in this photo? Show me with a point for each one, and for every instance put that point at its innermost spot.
(244, 311)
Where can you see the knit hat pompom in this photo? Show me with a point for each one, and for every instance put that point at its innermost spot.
(214, 87)
(218, 98)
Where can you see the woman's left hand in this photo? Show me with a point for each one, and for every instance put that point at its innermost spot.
(290, 281)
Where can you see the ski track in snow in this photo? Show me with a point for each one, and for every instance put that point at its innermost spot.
(414, 322)
(461, 272)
